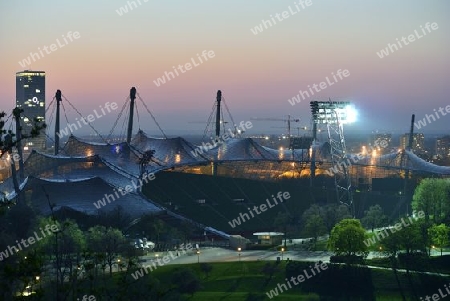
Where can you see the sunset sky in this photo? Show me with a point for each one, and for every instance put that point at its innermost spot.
(256, 73)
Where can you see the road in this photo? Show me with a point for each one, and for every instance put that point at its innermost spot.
(227, 255)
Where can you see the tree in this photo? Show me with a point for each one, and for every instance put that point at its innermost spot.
(315, 227)
(20, 219)
(106, 242)
(374, 218)
(281, 222)
(157, 228)
(8, 139)
(347, 238)
(408, 239)
(432, 196)
(71, 242)
(391, 244)
(439, 235)
(333, 214)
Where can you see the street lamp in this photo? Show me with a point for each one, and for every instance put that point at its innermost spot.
(239, 250)
(198, 256)
(37, 280)
(282, 250)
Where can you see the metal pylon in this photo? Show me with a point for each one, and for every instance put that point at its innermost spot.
(341, 161)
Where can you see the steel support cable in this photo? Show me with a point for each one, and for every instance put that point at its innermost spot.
(50, 104)
(137, 115)
(45, 132)
(67, 119)
(229, 113)
(154, 119)
(205, 132)
(223, 122)
(83, 118)
(51, 119)
(52, 115)
(123, 132)
(118, 117)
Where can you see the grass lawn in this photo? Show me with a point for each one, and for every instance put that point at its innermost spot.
(246, 281)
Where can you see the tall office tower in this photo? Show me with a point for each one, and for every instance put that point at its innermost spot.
(443, 147)
(418, 146)
(30, 96)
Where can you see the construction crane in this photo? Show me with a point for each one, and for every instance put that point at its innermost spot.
(288, 120)
(298, 128)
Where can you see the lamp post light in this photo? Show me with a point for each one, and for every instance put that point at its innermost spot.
(239, 250)
(282, 251)
(198, 256)
(37, 281)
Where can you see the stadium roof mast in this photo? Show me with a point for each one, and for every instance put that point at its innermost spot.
(218, 114)
(219, 99)
(130, 119)
(335, 114)
(57, 120)
(404, 161)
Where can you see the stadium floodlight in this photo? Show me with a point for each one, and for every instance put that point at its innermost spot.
(333, 112)
(351, 114)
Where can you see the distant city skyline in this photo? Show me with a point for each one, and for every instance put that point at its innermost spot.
(94, 55)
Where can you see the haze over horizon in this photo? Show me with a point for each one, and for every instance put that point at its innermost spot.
(257, 73)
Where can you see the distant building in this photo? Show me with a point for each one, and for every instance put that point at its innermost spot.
(418, 145)
(269, 238)
(443, 147)
(382, 140)
(30, 96)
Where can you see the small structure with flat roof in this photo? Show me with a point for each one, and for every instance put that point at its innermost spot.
(269, 238)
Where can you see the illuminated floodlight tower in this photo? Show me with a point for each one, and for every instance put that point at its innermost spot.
(335, 114)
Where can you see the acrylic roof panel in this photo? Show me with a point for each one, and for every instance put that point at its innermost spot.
(81, 195)
(420, 164)
(38, 163)
(322, 151)
(168, 152)
(70, 168)
(121, 155)
(414, 163)
(240, 150)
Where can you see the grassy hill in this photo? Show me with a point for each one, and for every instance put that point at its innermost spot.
(239, 280)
